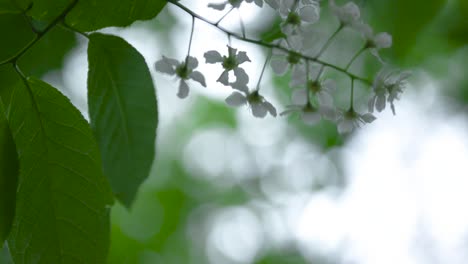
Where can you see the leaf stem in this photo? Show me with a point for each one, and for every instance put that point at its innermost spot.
(65, 25)
(224, 16)
(263, 70)
(191, 36)
(351, 100)
(355, 57)
(241, 23)
(268, 45)
(329, 41)
(308, 80)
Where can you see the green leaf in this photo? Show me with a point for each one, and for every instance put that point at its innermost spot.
(90, 15)
(48, 53)
(8, 6)
(44, 10)
(9, 170)
(63, 199)
(123, 112)
(16, 34)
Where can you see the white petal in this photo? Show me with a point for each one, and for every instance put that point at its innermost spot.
(213, 56)
(224, 78)
(273, 4)
(368, 118)
(324, 99)
(295, 42)
(242, 57)
(165, 66)
(351, 11)
(241, 75)
(287, 4)
(345, 126)
(328, 112)
(371, 104)
(376, 54)
(287, 29)
(220, 6)
(310, 118)
(383, 40)
(364, 29)
(299, 96)
(392, 106)
(231, 51)
(279, 65)
(198, 77)
(310, 2)
(380, 103)
(258, 110)
(183, 89)
(270, 108)
(329, 85)
(240, 86)
(172, 62)
(236, 99)
(298, 77)
(404, 75)
(309, 14)
(259, 3)
(288, 111)
(192, 62)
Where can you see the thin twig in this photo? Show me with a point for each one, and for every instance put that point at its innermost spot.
(39, 35)
(225, 15)
(355, 57)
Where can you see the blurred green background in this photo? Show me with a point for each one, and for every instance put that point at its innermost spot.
(186, 208)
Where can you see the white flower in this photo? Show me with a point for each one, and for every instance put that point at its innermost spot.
(309, 114)
(323, 90)
(230, 63)
(183, 70)
(282, 60)
(350, 120)
(347, 14)
(257, 103)
(376, 42)
(234, 3)
(297, 14)
(387, 87)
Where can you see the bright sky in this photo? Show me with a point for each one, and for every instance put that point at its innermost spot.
(407, 174)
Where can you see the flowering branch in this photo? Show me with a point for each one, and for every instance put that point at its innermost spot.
(314, 100)
(268, 45)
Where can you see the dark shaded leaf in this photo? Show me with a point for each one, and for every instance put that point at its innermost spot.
(90, 15)
(9, 6)
(63, 199)
(44, 10)
(48, 53)
(9, 170)
(123, 112)
(16, 34)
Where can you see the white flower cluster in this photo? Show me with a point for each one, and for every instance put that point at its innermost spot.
(312, 93)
